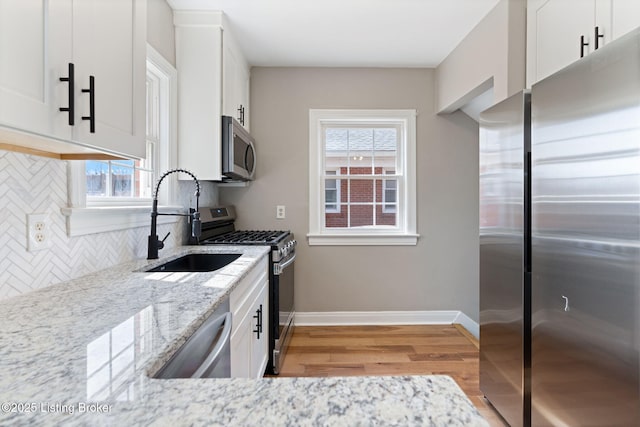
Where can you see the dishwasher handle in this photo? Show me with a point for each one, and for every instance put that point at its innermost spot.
(216, 352)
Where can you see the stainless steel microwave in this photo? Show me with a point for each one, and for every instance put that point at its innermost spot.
(238, 151)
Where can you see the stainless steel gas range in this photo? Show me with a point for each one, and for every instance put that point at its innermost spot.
(218, 229)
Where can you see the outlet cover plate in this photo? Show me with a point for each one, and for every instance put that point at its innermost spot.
(38, 232)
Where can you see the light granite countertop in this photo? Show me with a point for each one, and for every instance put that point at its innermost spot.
(79, 353)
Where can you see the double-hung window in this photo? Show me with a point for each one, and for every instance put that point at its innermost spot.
(362, 177)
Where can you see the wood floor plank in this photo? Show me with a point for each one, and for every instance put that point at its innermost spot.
(323, 351)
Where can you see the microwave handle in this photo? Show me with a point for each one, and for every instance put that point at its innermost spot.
(248, 150)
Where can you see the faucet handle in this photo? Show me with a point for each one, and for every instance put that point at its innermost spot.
(196, 224)
(161, 242)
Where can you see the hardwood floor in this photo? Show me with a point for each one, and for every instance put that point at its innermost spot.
(317, 351)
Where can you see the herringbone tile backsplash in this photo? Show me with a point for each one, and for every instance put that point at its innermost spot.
(31, 184)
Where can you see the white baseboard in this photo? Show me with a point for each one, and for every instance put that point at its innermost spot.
(345, 318)
(468, 324)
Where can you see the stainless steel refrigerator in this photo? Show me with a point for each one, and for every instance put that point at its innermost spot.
(505, 131)
(564, 351)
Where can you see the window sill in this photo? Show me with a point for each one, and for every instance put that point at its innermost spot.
(363, 239)
(83, 221)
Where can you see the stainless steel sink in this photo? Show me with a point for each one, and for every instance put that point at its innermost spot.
(197, 263)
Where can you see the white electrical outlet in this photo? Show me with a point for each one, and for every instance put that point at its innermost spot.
(38, 232)
(280, 212)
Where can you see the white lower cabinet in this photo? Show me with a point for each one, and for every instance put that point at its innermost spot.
(249, 303)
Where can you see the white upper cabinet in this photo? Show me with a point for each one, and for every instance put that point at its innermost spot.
(199, 64)
(213, 80)
(235, 81)
(625, 16)
(35, 46)
(555, 31)
(49, 53)
(110, 44)
(560, 32)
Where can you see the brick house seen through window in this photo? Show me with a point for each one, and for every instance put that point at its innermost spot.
(365, 158)
(362, 212)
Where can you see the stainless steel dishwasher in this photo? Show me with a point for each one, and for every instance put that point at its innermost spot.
(207, 353)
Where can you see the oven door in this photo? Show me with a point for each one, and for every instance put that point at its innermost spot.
(283, 309)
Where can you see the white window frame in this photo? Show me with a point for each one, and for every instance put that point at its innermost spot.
(405, 231)
(88, 215)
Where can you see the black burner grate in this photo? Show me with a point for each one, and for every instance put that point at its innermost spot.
(249, 237)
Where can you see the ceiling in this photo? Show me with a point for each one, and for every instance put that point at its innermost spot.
(347, 33)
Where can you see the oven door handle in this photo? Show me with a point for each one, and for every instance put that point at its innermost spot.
(279, 267)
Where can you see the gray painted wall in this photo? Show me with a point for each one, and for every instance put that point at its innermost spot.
(441, 272)
(492, 54)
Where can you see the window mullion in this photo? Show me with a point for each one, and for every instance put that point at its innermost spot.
(374, 201)
(348, 199)
(109, 189)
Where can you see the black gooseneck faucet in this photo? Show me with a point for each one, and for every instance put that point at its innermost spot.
(194, 216)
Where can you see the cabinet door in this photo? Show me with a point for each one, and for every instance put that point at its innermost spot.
(259, 345)
(35, 48)
(230, 102)
(625, 16)
(110, 44)
(559, 24)
(235, 93)
(241, 346)
(198, 56)
(243, 98)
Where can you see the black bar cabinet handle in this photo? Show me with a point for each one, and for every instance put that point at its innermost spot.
(582, 46)
(241, 115)
(71, 78)
(92, 105)
(598, 37)
(258, 317)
